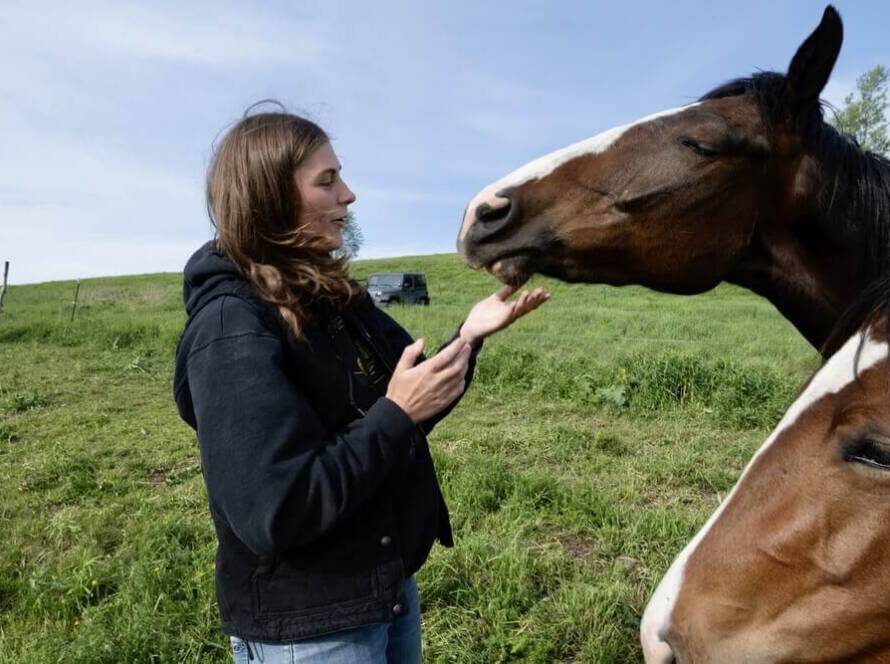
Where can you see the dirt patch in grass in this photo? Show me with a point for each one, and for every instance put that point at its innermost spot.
(102, 294)
(178, 474)
(152, 295)
(576, 547)
(157, 477)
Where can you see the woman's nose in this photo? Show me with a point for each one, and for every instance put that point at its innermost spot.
(346, 195)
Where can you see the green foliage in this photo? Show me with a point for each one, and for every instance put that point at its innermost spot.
(20, 402)
(595, 440)
(863, 117)
(739, 395)
(353, 238)
(645, 384)
(8, 434)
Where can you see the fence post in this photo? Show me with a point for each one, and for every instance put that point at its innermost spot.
(74, 304)
(3, 289)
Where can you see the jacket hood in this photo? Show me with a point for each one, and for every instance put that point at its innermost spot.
(208, 273)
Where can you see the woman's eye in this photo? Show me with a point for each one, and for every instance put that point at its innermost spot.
(697, 147)
(868, 452)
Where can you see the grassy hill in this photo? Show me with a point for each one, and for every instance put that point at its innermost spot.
(598, 435)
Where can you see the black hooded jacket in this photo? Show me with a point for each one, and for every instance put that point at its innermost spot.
(322, 506)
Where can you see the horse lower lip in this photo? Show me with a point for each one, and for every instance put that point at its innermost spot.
(506, 259)
(509, 273)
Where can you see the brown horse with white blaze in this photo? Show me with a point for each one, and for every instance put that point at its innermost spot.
(794, 566)
(748, 185)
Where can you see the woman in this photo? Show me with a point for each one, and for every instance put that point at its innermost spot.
(311, 408)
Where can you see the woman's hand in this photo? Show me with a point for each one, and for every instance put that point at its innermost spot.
(428, 388)
(495, 312)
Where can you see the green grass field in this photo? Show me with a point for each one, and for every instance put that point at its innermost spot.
(598, 436)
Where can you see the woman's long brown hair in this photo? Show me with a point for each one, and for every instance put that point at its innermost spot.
(254, 204)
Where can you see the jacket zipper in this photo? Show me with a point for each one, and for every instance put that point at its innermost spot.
(412, 451)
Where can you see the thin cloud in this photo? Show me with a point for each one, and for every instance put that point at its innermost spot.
(179, 32)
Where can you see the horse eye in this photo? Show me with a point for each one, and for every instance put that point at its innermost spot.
(869, 453)
(697, 147)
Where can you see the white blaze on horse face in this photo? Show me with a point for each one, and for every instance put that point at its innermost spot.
(836, 374)
(544, 166)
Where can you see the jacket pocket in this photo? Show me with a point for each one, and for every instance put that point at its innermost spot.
(288, 590)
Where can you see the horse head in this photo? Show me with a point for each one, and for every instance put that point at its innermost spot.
(795, 563)
(732, 187)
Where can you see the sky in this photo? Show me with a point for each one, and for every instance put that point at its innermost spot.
(109, 111)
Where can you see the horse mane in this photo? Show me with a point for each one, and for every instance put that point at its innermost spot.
(854, 206)
(871, 303)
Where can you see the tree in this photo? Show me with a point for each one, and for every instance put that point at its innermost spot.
(863, 118)
(352, 237)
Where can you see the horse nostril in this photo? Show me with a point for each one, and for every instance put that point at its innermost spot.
(488, 213)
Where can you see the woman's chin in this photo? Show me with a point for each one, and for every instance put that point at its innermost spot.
(337, 241)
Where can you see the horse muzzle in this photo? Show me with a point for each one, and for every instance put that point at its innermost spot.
(487, 220)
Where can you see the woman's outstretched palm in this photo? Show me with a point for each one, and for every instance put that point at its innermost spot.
(496, 312)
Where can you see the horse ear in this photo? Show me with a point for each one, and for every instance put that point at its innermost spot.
(812, 64)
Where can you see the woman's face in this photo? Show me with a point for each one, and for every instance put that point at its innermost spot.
(324, 197)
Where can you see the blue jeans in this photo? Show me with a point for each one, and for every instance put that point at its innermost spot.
(397, 642)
